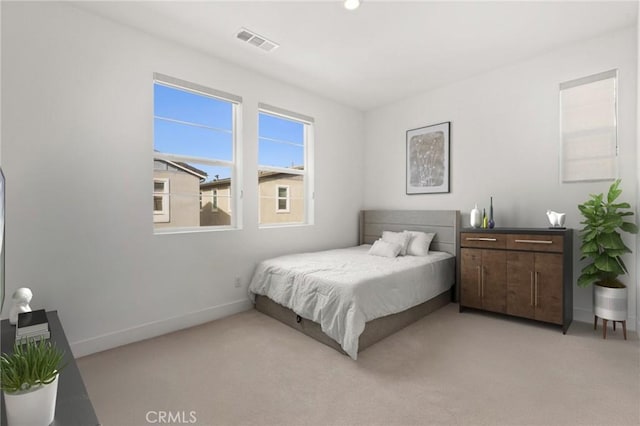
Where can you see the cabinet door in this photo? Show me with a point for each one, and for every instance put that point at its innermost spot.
(470, 270)
(548, 282)
(520, 284)
(494, 280)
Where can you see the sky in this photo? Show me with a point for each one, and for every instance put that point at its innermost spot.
(200, 126)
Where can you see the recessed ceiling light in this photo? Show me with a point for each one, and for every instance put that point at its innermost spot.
(351, 4)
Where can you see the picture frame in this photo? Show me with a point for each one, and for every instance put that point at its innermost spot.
(428, 160)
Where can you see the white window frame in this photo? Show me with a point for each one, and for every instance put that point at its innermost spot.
(307, 173)
(236, 191)
(603, 148)
(164, 215)
(286, 198)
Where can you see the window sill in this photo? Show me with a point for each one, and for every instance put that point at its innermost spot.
(283, 225)
(202, 229)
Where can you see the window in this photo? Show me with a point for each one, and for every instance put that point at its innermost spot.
(209, 200)
(195, 156)
(588, 128)
(282, 199)
(284, 166)
(161, 200)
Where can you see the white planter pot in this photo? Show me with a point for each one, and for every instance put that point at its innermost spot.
(32, 408)
(610, 303)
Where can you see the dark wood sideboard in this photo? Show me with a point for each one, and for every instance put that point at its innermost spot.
(73, 406)
(523, 272)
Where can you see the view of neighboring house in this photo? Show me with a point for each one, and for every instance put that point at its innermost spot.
(215, 202)
(281, 198)
(183, 197)
(176, 194)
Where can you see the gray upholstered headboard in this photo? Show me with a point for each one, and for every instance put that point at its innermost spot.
(444, 223)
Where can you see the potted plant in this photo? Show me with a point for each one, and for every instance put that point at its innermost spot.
(602, 245)
(30, 382)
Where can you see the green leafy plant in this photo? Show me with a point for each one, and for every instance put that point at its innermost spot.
(31, 364)
(601, 241)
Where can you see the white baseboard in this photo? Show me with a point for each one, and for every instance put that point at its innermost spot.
(156, 328)
(168, 325)
(586, 315)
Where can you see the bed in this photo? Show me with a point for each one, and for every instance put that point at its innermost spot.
(349, 299)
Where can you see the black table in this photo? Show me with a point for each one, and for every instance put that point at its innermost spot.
(73, 406)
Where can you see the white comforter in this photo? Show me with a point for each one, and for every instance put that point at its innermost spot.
(342, 289)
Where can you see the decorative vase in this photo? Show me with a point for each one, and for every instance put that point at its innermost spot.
(491, 222)
(35, 407)
(485, 220)
(610, 303)
(476, 220)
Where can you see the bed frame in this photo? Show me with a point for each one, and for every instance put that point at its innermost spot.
(444, 223)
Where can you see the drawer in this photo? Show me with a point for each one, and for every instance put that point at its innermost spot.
(483, 240)
(532, 242)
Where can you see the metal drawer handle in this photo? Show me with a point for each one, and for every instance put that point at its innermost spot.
(531, 304)
(481, 239)
(534, 241)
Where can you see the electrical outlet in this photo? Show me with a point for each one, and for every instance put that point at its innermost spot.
(237, 283)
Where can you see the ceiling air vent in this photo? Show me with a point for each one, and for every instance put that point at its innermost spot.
(256, 40)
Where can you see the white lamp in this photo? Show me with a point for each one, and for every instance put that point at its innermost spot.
(351, 4)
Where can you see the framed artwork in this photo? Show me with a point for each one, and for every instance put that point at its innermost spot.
(428, 159)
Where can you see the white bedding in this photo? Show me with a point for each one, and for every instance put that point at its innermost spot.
(342, 289)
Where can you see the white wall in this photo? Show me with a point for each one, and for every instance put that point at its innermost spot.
(638, 174)
(505, 144)
(77, 108)
(0, 93)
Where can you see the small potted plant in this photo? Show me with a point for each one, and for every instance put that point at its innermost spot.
(30, 382)
(602, 245)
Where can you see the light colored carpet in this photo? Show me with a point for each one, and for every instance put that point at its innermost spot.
(449, 368)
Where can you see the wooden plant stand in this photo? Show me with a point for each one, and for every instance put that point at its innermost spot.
(604, 326)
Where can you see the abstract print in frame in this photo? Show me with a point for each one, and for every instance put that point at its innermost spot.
(428, 159)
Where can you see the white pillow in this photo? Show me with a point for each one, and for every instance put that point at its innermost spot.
(400, 238)
(419, 243)
(384, 249)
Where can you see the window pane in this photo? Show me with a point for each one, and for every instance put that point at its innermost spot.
(183, 105)
(281, 128)
(175, 138)
(280, 154)
(280, 142)
(192, 124)
(278, 206)
(190, 199)
(214, 202)
(157, 204)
